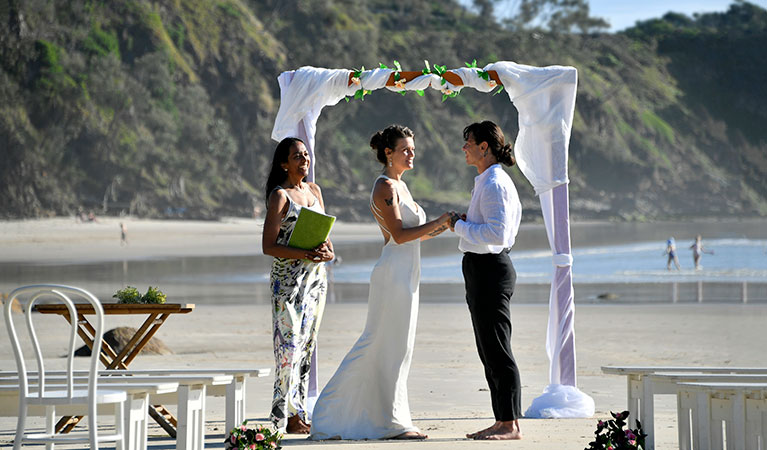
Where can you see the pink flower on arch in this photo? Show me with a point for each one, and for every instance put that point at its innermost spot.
(492, 84)
(356, 80)
(259, 437)
(400, 83)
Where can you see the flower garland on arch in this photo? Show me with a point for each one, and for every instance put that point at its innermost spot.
(399, 81)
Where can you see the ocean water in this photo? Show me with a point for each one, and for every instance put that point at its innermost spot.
(734, 260)
(623, 261)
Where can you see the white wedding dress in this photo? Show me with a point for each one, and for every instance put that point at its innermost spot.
(367, 396)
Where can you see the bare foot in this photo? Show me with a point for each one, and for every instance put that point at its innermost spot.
(296, 425)
(508, 430)
(476, 434)
(411, 435)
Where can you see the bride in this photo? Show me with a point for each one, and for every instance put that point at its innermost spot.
(367, 396)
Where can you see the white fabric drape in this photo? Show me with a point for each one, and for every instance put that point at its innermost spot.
(545, 100)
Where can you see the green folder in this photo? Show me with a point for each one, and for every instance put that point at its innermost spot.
(312, 229)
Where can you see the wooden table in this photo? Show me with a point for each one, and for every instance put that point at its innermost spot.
(156, 316)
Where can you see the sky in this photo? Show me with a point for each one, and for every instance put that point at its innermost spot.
(622, 14)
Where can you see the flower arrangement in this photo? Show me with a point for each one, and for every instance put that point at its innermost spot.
(399, 81)
(610, 435)
(260, 438)
(131, 295)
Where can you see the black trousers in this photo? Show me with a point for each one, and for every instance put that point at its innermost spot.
(490, 281)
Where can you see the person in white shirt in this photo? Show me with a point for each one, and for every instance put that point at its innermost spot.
(487, 232)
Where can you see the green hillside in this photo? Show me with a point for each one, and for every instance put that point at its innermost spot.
(165, 109)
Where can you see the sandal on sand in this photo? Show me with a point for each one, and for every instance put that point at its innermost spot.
(411, 435)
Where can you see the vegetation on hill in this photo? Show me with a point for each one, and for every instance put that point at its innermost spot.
(166, 108)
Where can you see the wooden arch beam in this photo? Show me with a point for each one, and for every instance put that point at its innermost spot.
(449, 76)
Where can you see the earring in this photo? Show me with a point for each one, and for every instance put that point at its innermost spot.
(485, 153)
(287, 169)
(390, 163)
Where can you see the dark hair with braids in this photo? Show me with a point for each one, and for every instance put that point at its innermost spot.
(387, 138)
(277, 174)
(491, 133)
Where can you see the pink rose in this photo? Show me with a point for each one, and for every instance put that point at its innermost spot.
(259, 437)
(252, 446)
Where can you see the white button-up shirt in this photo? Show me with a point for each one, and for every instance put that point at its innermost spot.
(494, 214)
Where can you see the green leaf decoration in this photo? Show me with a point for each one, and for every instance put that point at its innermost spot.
(397, 76)
(359, 93)
(427, 70)
(500, 89)
(472, 65)
(347, 99)
(382, 66)
(419, 92)
(442, 81)
(403, 92)
(444, 97)
(396, 64)
(484, 75)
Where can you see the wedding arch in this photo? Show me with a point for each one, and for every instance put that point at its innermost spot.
(545, 100)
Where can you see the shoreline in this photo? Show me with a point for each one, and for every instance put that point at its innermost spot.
(62, 239)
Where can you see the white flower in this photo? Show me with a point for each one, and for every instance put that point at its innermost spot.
(492, 84)
(400, 83)
(356, 80)
(447, 91)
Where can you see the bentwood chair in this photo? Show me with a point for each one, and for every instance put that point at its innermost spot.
(33, 392)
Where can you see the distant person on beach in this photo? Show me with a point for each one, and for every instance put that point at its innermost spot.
(298, 283)
(487, 232)
(367, 397)
(123, 234)
(671, 252)
(698, 250)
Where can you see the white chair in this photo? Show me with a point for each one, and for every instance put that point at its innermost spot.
(33, 392)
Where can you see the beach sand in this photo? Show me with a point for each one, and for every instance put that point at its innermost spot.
(448, 395)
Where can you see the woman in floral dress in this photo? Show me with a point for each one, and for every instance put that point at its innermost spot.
(298, 283)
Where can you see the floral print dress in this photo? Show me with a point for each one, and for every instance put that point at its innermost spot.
(299, 287)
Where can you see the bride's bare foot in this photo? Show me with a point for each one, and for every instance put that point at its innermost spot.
(476, 434)
(508, 430)
(411, 435)
(296, 425)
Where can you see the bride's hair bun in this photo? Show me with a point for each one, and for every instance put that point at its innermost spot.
(378, 145)
(387, 138)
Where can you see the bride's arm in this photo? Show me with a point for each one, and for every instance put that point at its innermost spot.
(386, 199)
(436, 232)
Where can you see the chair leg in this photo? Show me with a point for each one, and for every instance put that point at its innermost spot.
(20, 426)
(235, 403)
(50, 421)
(120, 425)
(683, 419)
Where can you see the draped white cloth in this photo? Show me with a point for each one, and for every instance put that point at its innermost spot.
(545, 100)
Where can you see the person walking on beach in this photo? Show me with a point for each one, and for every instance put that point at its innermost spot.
(367, 396)
(698, 250)
(671, 252)
(123, 234)
(298, 282)
(487, 232)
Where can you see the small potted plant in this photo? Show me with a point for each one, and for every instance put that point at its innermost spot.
(258, 438)
(610, 435)
(131, 295)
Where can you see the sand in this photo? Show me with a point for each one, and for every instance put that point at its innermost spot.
(447, 390)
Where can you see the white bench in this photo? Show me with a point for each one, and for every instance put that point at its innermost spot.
(641, 389)
(742, 406)
(134, 410)
(191, 395)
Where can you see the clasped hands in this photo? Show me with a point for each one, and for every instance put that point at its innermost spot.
(454, 217)
(321, 253)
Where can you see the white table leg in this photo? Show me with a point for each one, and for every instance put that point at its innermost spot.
(701, 417)
(646, 413)
(190, 432)
(684, 401)
(235, 403)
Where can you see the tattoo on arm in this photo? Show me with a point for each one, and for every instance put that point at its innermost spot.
(389, 201)
(438, 230)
